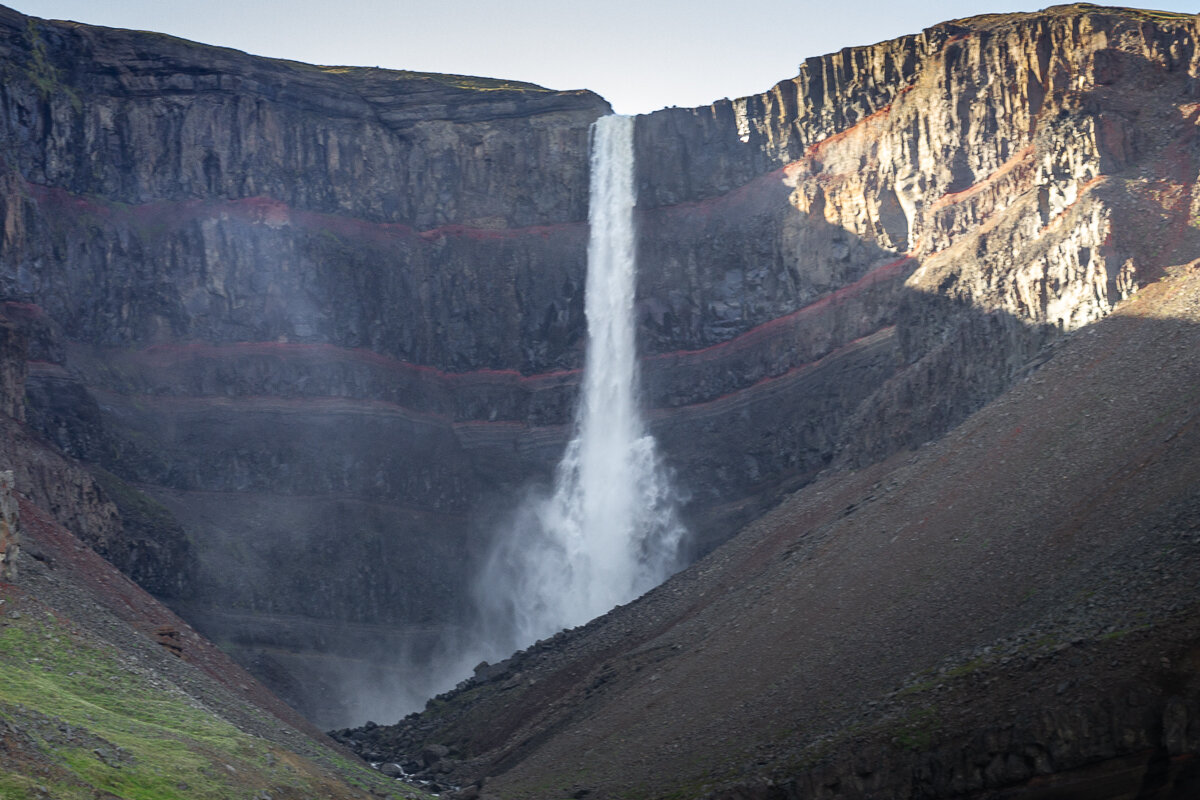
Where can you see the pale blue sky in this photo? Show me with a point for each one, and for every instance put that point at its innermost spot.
(639, 54)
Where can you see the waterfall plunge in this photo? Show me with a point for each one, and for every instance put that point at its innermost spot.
(609, 531)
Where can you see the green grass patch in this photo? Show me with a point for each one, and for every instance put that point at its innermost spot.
(472, 83)
(79, 718)
(1121, 633)
(916, 732)
(966, 668)
(154, 742)
(24, 787)
(917, 688)
(44, 75)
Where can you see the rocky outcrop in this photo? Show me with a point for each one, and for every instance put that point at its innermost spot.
(150, 547)
(1137, 737)
(10, 533)
(331, 319)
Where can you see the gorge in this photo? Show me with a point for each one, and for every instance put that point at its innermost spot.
(287, 345)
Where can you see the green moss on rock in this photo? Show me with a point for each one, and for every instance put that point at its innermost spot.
(81, 719)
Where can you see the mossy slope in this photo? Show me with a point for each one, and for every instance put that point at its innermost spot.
(81, 718)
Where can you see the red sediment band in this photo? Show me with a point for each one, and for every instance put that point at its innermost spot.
(1020, 158)
(814, 150)
(473, 430)
(274, 213)
(12, 308)
(167, 355)
(760, 333)
(1082, 193)
(780, 380)
(467, 431)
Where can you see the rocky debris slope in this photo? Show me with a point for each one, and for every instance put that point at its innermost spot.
(1010, 611)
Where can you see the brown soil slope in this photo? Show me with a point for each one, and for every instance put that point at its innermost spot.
(1010, 609)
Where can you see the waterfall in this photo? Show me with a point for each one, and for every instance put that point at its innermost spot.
(609, 531)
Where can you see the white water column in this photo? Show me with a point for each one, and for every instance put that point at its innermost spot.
(609, 531)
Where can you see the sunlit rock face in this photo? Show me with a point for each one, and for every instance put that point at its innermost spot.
(855, 260)
(332, 319)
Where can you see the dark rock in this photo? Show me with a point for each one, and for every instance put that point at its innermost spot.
(485, 672)
(13, 370)
(433, 753)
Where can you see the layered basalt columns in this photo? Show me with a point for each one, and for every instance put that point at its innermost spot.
(134, 117)
(1010, 165)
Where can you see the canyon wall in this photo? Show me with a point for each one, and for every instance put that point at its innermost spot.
(315, 328)
(919, 218)
(299, 319)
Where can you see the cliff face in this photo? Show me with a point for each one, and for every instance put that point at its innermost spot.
(298, 305)
(222, 198)
(919, 217)
(331, 319)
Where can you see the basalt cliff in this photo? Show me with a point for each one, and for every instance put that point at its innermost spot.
(305, 332)
(298, 321)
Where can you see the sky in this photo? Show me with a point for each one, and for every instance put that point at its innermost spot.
(640, 55)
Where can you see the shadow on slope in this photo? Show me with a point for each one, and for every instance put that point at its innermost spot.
(1010, 607)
